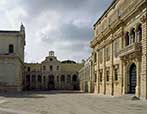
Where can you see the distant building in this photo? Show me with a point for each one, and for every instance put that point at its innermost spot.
(52, 74)
(120, 49)
(86, 76)
(11, 59)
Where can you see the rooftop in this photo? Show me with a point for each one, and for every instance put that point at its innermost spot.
(106, 11)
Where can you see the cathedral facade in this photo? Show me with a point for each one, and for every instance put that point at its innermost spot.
(16, 75)
(120, 49)
(52, 74)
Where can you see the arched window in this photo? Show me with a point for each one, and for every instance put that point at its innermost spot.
(39, 78)
(68, 78)
(74, 78)
(127, 39)
(33, 78)
(11, 48)
(132, 34)
(28, 69)
(139, 32)
(62, 78)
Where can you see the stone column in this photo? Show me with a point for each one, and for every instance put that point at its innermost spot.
(36, 79)
(144, 58)
(42, 81)
(46, 81)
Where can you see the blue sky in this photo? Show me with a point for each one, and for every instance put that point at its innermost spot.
(64, 26)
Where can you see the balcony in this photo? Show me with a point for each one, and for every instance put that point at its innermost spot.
(133, 48)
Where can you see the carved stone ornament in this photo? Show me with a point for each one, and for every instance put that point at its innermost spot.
(144, 18)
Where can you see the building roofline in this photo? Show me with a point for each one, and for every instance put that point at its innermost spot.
(6, 31)
(106, 11)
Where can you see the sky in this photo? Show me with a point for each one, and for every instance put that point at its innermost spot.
(63, 26)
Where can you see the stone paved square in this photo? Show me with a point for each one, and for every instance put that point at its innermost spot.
(66, 102)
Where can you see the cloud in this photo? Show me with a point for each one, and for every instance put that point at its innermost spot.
(64, 26)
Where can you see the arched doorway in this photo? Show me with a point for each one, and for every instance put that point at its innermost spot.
(75, 82)
(132, 79)
(51, 83)
(74, 78)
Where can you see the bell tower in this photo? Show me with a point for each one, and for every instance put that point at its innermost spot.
(51, 53)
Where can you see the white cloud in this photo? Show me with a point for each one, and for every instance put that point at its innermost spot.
(63, 26)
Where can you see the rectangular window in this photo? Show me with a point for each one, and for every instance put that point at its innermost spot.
(95, 57)
(116, 74)
(95, 79)
(11, 48)
(108, 75)
(101, 76)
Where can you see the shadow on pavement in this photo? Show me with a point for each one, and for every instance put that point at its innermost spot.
(37, 94)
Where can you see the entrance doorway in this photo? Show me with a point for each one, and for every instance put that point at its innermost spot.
(132, 79)
(51, 83)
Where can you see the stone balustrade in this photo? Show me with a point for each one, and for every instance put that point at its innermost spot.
(135, 47)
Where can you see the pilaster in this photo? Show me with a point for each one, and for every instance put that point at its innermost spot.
(144, 58)
(121, 76)
(104, 72)
(121, 71)
(138, 78)
(111, 69)
(124, 78)
(98, 81)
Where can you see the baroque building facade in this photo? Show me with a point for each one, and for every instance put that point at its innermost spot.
(11, 59)
(52, 74)
(120, 49)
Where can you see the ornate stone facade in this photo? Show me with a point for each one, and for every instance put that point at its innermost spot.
(52, 74)
(11, 59)
(120, 46)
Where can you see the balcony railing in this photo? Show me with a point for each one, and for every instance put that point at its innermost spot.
(135, 47)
